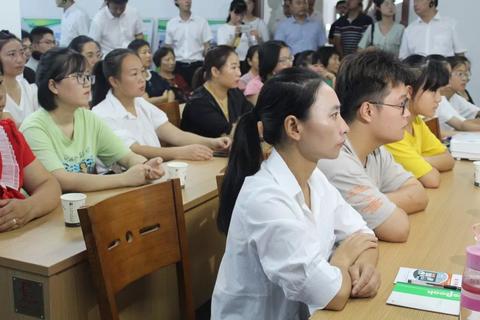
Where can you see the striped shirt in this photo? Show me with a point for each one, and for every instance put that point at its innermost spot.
(351, 32)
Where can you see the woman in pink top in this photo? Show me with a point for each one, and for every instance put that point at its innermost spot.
(273, 56)
(252, 61)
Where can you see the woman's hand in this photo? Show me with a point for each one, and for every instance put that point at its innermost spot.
(154, 168)
(196, 152)
(220, 144)
(350, 248)
(365, 280)
(14, 213)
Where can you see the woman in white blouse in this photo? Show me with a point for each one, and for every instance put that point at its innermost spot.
(258, 27)
(283, 217)
(234, 33)
(386, 33)
(21, 97)
(118, 99)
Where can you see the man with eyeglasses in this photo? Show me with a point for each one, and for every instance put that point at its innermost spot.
(374, 98)
(42, 40)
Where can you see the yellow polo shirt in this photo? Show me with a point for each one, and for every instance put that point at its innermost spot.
(411, 150)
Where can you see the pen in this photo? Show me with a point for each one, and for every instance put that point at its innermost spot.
(432, 284)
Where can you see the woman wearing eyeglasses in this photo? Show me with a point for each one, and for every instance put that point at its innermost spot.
(273, 57)
(118, 99)
(68, 139)
(420, 152)
(21, 98)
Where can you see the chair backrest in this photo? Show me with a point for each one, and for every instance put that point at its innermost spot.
(134, 234)
(220, 181)
(434, 126)
(172, 109)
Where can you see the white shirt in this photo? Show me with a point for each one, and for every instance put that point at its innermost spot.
(132, 129)
(226, 34)
(447, 112)
(259, 25)
(439, 36)
(75, 22)
(112, 32)
(463, 107)
(28, 101)
(32, 64)
(188, 38)
(277, 252)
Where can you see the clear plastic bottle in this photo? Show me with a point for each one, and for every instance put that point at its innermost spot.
(470, 295)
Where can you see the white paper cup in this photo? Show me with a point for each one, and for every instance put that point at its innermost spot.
(177, 169)
(70, 204)
(476, 175)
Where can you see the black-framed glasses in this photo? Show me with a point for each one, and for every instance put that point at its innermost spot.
(82, 78)
(402, 106)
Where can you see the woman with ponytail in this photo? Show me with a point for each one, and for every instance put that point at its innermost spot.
(118, 96)
(282, 215)
(217, 103)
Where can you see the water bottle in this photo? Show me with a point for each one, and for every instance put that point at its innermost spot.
(470, 294)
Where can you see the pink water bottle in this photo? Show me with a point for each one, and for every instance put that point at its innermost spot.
(470, 295)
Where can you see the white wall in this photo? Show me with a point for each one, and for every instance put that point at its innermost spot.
(210, 9)
(10, 16)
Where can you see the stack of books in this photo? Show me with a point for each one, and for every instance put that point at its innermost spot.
(466, 146)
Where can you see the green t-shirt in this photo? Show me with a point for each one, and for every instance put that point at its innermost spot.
(92, 138)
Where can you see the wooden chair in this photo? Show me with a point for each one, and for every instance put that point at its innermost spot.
(134, 234)
(434, 125)
(172, 109)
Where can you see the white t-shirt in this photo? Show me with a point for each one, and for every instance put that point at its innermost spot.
(188, 37)
(278, 250)
(112, 32)
(465, 108)
(226, 34)
(439, 36)
(28, 101)
(75, 22)
(445, 113)
(132, 129)
(259, 25)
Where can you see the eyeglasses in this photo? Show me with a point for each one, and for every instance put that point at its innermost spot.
(402, 106)
(82, 78)
(461, 74)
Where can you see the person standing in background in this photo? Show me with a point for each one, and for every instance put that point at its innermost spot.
(385, 34)
(340, 10)
(116, 25)
(431, 33)
(189, 36)
(350, 28)
(300, 32)
(257, 25)
(75, 22)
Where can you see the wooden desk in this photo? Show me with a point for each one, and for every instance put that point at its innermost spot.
(53, 256)
(437, 241)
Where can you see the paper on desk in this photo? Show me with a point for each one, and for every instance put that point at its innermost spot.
(435, 299)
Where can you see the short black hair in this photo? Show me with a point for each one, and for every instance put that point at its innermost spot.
(340, 3)
(304, 59)
(26, 34)
(160, 53)
(428, 74)
(56, 64)
(367, 76)
(77, 43)
(325, 53)
(136, 44)
(37, 33)
(237, 6)
(117, 1)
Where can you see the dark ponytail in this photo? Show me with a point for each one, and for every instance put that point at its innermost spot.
(290, 92)
(111, 66)
(216, 57)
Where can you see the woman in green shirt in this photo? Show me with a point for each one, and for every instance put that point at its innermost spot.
(68, 139)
